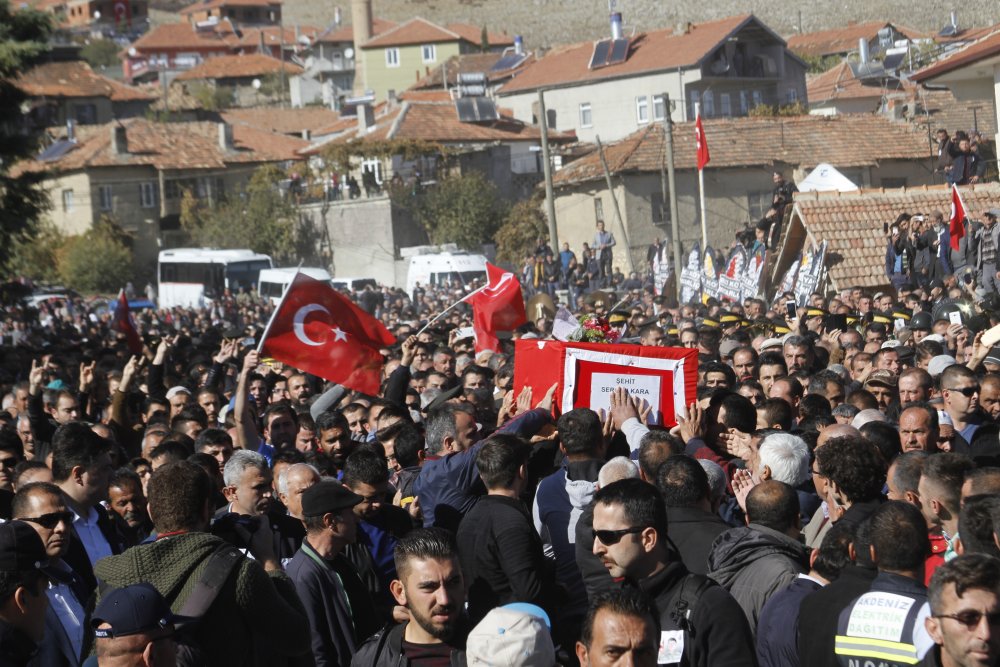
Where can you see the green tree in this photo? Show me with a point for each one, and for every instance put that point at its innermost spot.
(98, 261)
(36, 255)
(100, 53)
(23, 38)
(465, 210)
(261, 219)
(520, 231)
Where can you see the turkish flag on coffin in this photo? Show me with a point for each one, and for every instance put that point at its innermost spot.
(318, 330)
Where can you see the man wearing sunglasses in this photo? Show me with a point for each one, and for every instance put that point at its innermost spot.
(965, 613)
(630, 538)
(960, 394)
(40, 505)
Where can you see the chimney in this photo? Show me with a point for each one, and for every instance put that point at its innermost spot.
(954, 19)
(119, 140)
(518, 45)
(366, 117)
(225, 137)
(307, 134)
(361, 24)
(338, 16)
(616, 25)
(682, 28)
(863, 50)
(70, 130)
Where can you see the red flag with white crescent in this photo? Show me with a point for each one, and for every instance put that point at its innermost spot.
(701, 144)
(497, 307)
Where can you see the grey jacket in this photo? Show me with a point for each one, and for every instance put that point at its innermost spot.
(754, 562)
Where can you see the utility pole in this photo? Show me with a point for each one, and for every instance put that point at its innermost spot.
(668, 137)
(614, 200)
(550, 203)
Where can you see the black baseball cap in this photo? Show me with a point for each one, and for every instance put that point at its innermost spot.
(325, 497)
(132, 610)
(21, 549)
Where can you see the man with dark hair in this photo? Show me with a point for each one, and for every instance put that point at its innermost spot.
(885, 624)
(963, 594)
(728, 414)
(126, 500)
(431, 588)
(280, 422)
(903, 478)
(41, 506)
(755, 561)
(408, 453)
(335, 436)
(770, 367)
(621, 628)
(775, 413)
(380, 524)
(960, 399)
(11, 454)
(256, 617)
(855, 474)
(706, 624)
(828, 384)
(562, 497)
(215, 442)
(81, 467)
(655, 447)
(23, 601)
(356, 415)
(692, 525)
(718, 375)
(976, 524)
(940, 491)
(340, 610)
(777, 628)
(744, 363)
(500, 550)
(787, 389)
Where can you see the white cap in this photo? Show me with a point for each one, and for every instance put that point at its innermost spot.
(510, 638)
(770, 343)
(937, 364)
(173, 391)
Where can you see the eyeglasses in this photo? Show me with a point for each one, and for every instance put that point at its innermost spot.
(968, 392)
(609, 537)
(52, 519)
(971, 618)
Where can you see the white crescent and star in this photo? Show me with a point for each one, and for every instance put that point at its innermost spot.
(299, 328)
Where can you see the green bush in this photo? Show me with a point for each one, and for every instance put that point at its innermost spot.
(97, 261)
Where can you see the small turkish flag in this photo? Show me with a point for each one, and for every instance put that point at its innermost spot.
(497, 307)
(956, 225)
(123, 323)
(320, 331)
(701, 145)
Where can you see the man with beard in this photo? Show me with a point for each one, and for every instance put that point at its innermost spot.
(964, 598)
(431, 587)
(250, 493)
(126, 500)
(335, 437)
(40, 505)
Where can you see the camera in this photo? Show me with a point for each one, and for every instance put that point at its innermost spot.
(237, 529)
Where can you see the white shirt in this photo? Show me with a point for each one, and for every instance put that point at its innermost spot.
(94, 542)
(67, 608)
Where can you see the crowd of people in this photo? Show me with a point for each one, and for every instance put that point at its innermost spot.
(830, 496)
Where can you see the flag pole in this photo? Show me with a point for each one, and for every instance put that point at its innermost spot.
(701, 189)
(442, 313)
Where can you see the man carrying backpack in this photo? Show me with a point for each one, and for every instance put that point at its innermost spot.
(701, 625)
(248, 612)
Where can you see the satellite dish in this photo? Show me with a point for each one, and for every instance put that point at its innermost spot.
(132, 52)
(348, 52)
(256, 84)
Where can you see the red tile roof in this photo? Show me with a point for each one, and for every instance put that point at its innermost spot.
(275, 36)
(842, 40)
(843, 140)
(346, 33)
(839, 83)
(215, 4)
(437, 122)
(965, 35)
(238, 66)
(652, 51)
(185, 36)
(193, 145)
(421, 31)
(851, 223)
(985, 47)
(461, 64)
(282, 121)
(76, 79)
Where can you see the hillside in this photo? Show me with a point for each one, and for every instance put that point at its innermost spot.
(547, 22)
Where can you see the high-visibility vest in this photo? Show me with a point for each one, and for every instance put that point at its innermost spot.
(876, 630)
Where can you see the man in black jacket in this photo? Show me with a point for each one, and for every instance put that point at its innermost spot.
(962, 592)
(697, 616)
(431, 588)
(693, 526)
(499, 548)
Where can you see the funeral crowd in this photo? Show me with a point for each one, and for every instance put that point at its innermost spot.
(829, 496)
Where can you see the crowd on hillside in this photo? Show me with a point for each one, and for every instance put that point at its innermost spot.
(830, 496)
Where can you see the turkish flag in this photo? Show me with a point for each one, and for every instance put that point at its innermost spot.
(956, 225)
(701, 145)
(318, 330)
(123, 323)
(497, 307)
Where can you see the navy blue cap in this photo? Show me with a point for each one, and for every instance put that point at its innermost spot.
(130, 611)
(21, 549)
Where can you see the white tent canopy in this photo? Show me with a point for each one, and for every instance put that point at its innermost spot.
(826, 178)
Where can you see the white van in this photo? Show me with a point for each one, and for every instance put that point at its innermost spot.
(445, 268)
(352, 285)
(273, 282)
